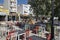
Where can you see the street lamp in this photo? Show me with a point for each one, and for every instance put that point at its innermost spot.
(52, 20)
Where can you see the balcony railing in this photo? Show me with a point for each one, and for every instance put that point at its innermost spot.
(13, 5)
(13, 10)
(13, 1)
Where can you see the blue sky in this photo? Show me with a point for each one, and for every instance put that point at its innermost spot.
(19, 1)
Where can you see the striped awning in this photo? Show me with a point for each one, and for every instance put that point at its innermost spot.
(2, 14)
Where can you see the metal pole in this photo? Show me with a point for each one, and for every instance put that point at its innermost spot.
(52, 21)
(6, 18)
(19, 18)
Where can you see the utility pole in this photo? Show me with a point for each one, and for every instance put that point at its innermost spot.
(52, 20)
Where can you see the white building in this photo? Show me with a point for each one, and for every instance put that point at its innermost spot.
(11, 5)
(24, 9)
(1, 5)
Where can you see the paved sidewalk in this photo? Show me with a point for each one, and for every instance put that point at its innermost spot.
(3, 38)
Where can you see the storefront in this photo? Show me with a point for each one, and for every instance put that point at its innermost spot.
(3, 16)
(13, 16)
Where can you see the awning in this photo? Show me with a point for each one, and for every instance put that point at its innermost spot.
(2, 14)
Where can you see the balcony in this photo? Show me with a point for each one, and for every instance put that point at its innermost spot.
(13, 5)
(14, 1)
(13, 10)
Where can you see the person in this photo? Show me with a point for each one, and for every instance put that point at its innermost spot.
(22, 37)
(30, 38)
(27, 32)
(48, 36)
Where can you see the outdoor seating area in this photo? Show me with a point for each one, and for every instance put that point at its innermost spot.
(11, 31)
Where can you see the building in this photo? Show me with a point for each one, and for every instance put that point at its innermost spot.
(1, 5)
(4, 10)
(24, 9)
(11, 5)
(3, 13)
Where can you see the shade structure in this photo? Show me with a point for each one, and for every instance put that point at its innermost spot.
(25, 17)
(2, 14)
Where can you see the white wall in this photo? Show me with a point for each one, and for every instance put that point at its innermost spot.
(24, 7)
(7, 5)
(20, 9)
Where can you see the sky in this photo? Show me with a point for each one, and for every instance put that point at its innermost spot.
(19, 1)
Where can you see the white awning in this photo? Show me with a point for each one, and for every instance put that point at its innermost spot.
(2, 13)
